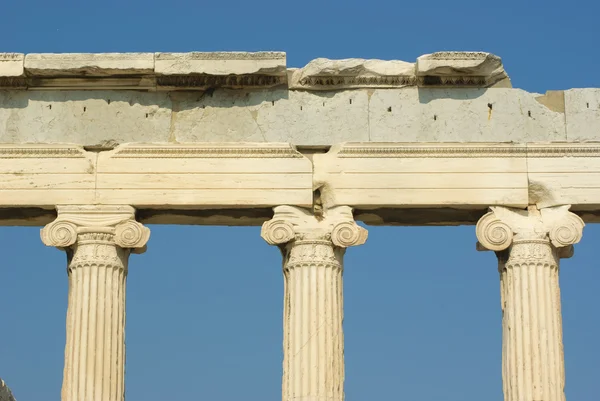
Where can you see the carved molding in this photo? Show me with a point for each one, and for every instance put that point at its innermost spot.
(493, 233)
(116, 223)
(233, 151)
(482, 151)
(451, 55)
(300, 225)
(203, 81)
(333, 82)
(35, 152)
(503, 227)
(224, 56)
(277, 232)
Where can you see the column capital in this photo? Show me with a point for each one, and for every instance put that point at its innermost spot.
(117, 222)
(503, 226)
(291, 223)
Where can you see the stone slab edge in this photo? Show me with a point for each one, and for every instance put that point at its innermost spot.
(202, 70)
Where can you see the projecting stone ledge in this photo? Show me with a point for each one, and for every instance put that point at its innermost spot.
(242, 70)
(443, 69)
(462, 68)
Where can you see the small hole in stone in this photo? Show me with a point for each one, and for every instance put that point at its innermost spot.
(273, 103)
(588, 105)
(84, 109)
(50, 106)
(350, 101)
(300, 108)
(323, 104)
(108, 101)
(434, 117)
(490, 106)
(390, 109)
(146, 115)
(529, 113)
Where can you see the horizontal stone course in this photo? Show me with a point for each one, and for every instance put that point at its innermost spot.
(194, 71)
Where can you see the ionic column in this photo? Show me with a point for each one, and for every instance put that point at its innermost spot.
(529, 244)
(313, 343)
(98, 241)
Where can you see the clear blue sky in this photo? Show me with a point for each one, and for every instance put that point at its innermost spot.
(204, 304)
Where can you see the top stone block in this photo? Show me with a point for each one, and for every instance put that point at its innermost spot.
(466, 68)
(88, 64)
(221, 63)
(11, 64)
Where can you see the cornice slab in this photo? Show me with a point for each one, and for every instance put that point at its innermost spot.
(11, 65)
(221, 63)
(238, 70)
(461, 68)
(88, 64)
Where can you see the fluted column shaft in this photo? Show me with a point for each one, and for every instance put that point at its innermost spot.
(532, 357)
(529, 245)
(313, 343)
(313, 336)
(98, 243)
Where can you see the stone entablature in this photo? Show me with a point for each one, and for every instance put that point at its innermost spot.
(115, 141)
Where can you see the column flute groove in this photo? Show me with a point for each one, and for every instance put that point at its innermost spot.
(529, 245)
(313, 339)
(98, 242)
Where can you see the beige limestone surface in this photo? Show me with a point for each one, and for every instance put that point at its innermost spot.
(471, 67)
(99, 241)
(303, 118)
(11, 64)
(313, 345)
(89, 64)
(529, 244)
(221, 63)
(257, 175)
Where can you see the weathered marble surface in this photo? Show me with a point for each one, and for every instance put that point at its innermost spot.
(5, 393)
(89, 64)
(304, 118)
(326, 74)
(476, 68)
(220, 63)
(11, 64)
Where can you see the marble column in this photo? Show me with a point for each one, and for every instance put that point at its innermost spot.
(98, 241)
(313, 343)
(529, 245)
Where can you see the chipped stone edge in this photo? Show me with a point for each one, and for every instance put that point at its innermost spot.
(201, 71)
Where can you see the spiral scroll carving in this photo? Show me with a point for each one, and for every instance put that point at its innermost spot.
(347, 234)
(493, 234)
(60, 234)
(567, 232)
(277, 232)
(131, 234)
